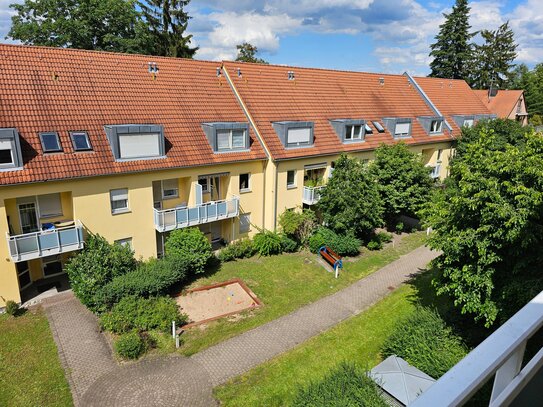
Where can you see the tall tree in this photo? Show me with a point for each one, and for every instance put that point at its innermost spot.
(167, 22)
(532, 84)
(247, 53)
(493, 59)
(106, 25)
(452, 50)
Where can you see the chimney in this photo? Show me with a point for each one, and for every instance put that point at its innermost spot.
(492, 92)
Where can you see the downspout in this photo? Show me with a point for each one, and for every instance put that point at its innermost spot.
(262, 143)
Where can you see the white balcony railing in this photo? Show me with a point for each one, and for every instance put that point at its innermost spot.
(311, 195)
(182, 217)
(500, 354)
(43, 243)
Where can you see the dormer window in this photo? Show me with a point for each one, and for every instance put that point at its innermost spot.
(399, 127)
(50, 142)
(431, 124)
(10, 149)
(136, 142)
(471, 120)
(349, 130)
(80, 141)
(295, 134)
(224, 137)
(436, 126)
(468, 123)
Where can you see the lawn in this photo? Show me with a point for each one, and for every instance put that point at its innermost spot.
(358, 339)
(284, 283)
(30, 371)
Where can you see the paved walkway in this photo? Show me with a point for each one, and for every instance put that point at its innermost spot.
(96, 380)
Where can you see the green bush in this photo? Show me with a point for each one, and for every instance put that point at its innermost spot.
(344, 245)
(95, 266)
(347, 385)
(425, 341)
(237, 250)
(12, 308)
(374, 244)
(192, 244)
(151, 278)
(288, 245)
(143, 314)
(267, 243)
(130, 345)
(399, 227)
(384, 237)
(298, 225)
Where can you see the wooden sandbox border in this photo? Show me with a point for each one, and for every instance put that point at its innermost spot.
(217, 285)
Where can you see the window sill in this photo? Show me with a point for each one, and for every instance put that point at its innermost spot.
(244, 191)
(121, 211)
(166, 198)
(292, 186)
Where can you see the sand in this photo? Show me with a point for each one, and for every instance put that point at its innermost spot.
(215, 302)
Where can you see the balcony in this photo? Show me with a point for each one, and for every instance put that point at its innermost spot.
(182, 217)
(43, 243)
(311, 195)
(499, 356)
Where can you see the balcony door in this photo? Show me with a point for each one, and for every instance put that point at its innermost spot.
(28, 217)
(215, 188)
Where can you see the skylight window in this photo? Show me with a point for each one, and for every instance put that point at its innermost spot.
(379, 127)
(50, 142)
(368, 129)
(80, 141)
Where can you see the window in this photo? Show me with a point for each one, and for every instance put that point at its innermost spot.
(170, 188)
(244, 185)
(23, 274)
(439, 153)
(127, 242)
(204, 183)
(51, 266)
(402, 129)
(119, 200)
(245, 223)
(291, 179)
(139, 145)
(379, 127)
(6, 153)
(368, 129)
(80, 141)
(436, 126)
(353, 132)
(50, 142)
(10, 149)
(49, 205)
(299, 136)
(468, 123)
(230, 139)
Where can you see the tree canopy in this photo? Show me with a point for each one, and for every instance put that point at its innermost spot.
(350, 201)
(488, 223)
(531, 81)
(403, 181)
(247, 53)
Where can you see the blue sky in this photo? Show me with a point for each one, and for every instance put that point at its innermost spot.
(368, 35)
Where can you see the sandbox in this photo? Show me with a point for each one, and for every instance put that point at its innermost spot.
(205, 304)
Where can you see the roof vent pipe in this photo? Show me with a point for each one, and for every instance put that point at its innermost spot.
(239, 72)
(218, 71)
(381, 81)
(290, 75)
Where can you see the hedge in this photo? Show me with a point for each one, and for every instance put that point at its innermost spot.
(344, 245)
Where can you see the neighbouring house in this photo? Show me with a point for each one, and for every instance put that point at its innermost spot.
(506, 104)
(132, 147)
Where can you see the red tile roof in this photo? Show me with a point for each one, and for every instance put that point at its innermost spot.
(51, 89)
(452, 97)
(319, 95)
(503, 104)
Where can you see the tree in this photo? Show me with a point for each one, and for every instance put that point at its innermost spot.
(493, 60)
(350, 201)
(402, 179)
(167, 21)
(104, 25)
(532, 84)
(488, 224)
(247, 53)
(298, 225)
(452, 50)
(189, 243)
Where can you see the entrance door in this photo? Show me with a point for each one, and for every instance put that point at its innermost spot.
(215, 188)
(29, 217)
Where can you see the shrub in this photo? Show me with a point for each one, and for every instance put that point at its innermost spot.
(237, 250)
(347, 385)
(12, 308)
(95, 266)
(425, 341)
(288, 245)
(267, 243)
(399, 227)
(130, 345)
(192, 244)
(384, 237)
(344, 245)
(298, 225)
(143, 314)
(374, 244)
(151, 278)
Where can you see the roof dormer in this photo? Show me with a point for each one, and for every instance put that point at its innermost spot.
(399, 127)
(10, 150)
(350, 130)
(295, 134)
(136, 141)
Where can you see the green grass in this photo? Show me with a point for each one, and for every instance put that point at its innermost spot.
(30, 371)
(285, 283)
(358, 340)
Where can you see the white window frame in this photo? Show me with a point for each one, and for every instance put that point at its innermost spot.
(41, 204)
(293, 184)
(127, 241)
(230, 134)
(403, 133)
(436, 126)
(50, 133)
(3, 143)
(51, 259)
(468, 123)
(25, 271)
(143, 153)
(125, 209)
(80, 133)
(205, 187)
(247, 228)
(175, 190)
(248, 188)
(352, 135)
(298, 143)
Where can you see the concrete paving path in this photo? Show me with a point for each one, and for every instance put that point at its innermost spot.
(96, 380)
